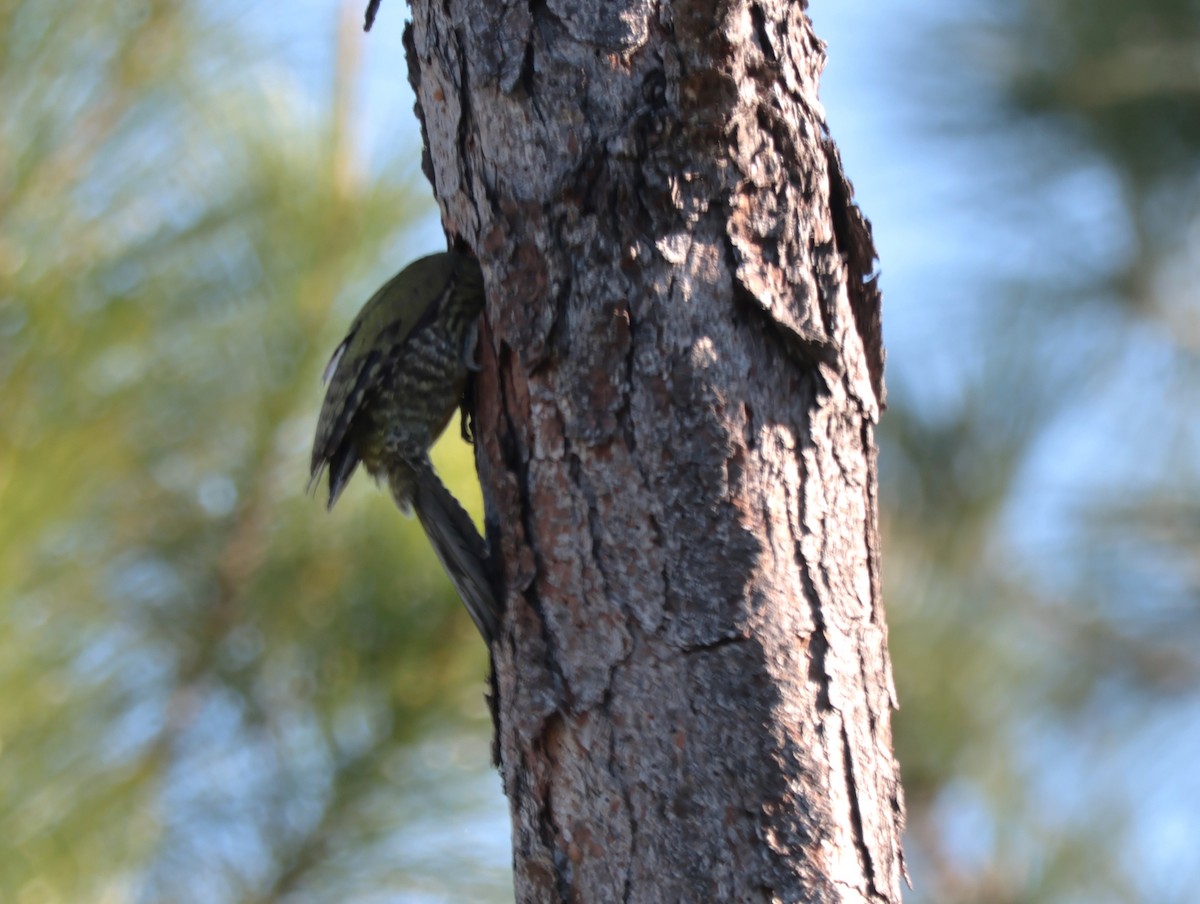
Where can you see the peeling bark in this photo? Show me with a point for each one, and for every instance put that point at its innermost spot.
(676, 416)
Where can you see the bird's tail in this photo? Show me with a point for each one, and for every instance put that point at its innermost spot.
(460, 549)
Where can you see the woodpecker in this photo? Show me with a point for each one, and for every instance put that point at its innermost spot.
(393, 384)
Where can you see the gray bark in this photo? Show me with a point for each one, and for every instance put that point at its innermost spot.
(681, 379)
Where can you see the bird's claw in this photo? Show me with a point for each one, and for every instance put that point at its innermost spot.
(471, 349)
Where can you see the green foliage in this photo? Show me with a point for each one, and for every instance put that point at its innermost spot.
(1042, 516)
(208, 680)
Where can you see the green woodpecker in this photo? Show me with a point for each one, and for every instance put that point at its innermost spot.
(393, 385)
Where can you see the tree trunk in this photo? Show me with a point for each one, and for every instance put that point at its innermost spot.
(676, 417)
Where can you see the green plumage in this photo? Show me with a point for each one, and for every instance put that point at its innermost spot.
(398, 376)
(393, 385)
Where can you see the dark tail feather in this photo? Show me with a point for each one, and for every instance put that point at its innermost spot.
(460, 549)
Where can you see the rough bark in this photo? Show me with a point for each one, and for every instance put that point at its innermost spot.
(676, 415)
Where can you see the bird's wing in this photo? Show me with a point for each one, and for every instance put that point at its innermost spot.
(374, 345)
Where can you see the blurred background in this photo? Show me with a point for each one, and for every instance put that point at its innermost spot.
(214, 691)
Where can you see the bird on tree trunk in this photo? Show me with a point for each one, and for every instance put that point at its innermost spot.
(394, 383)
